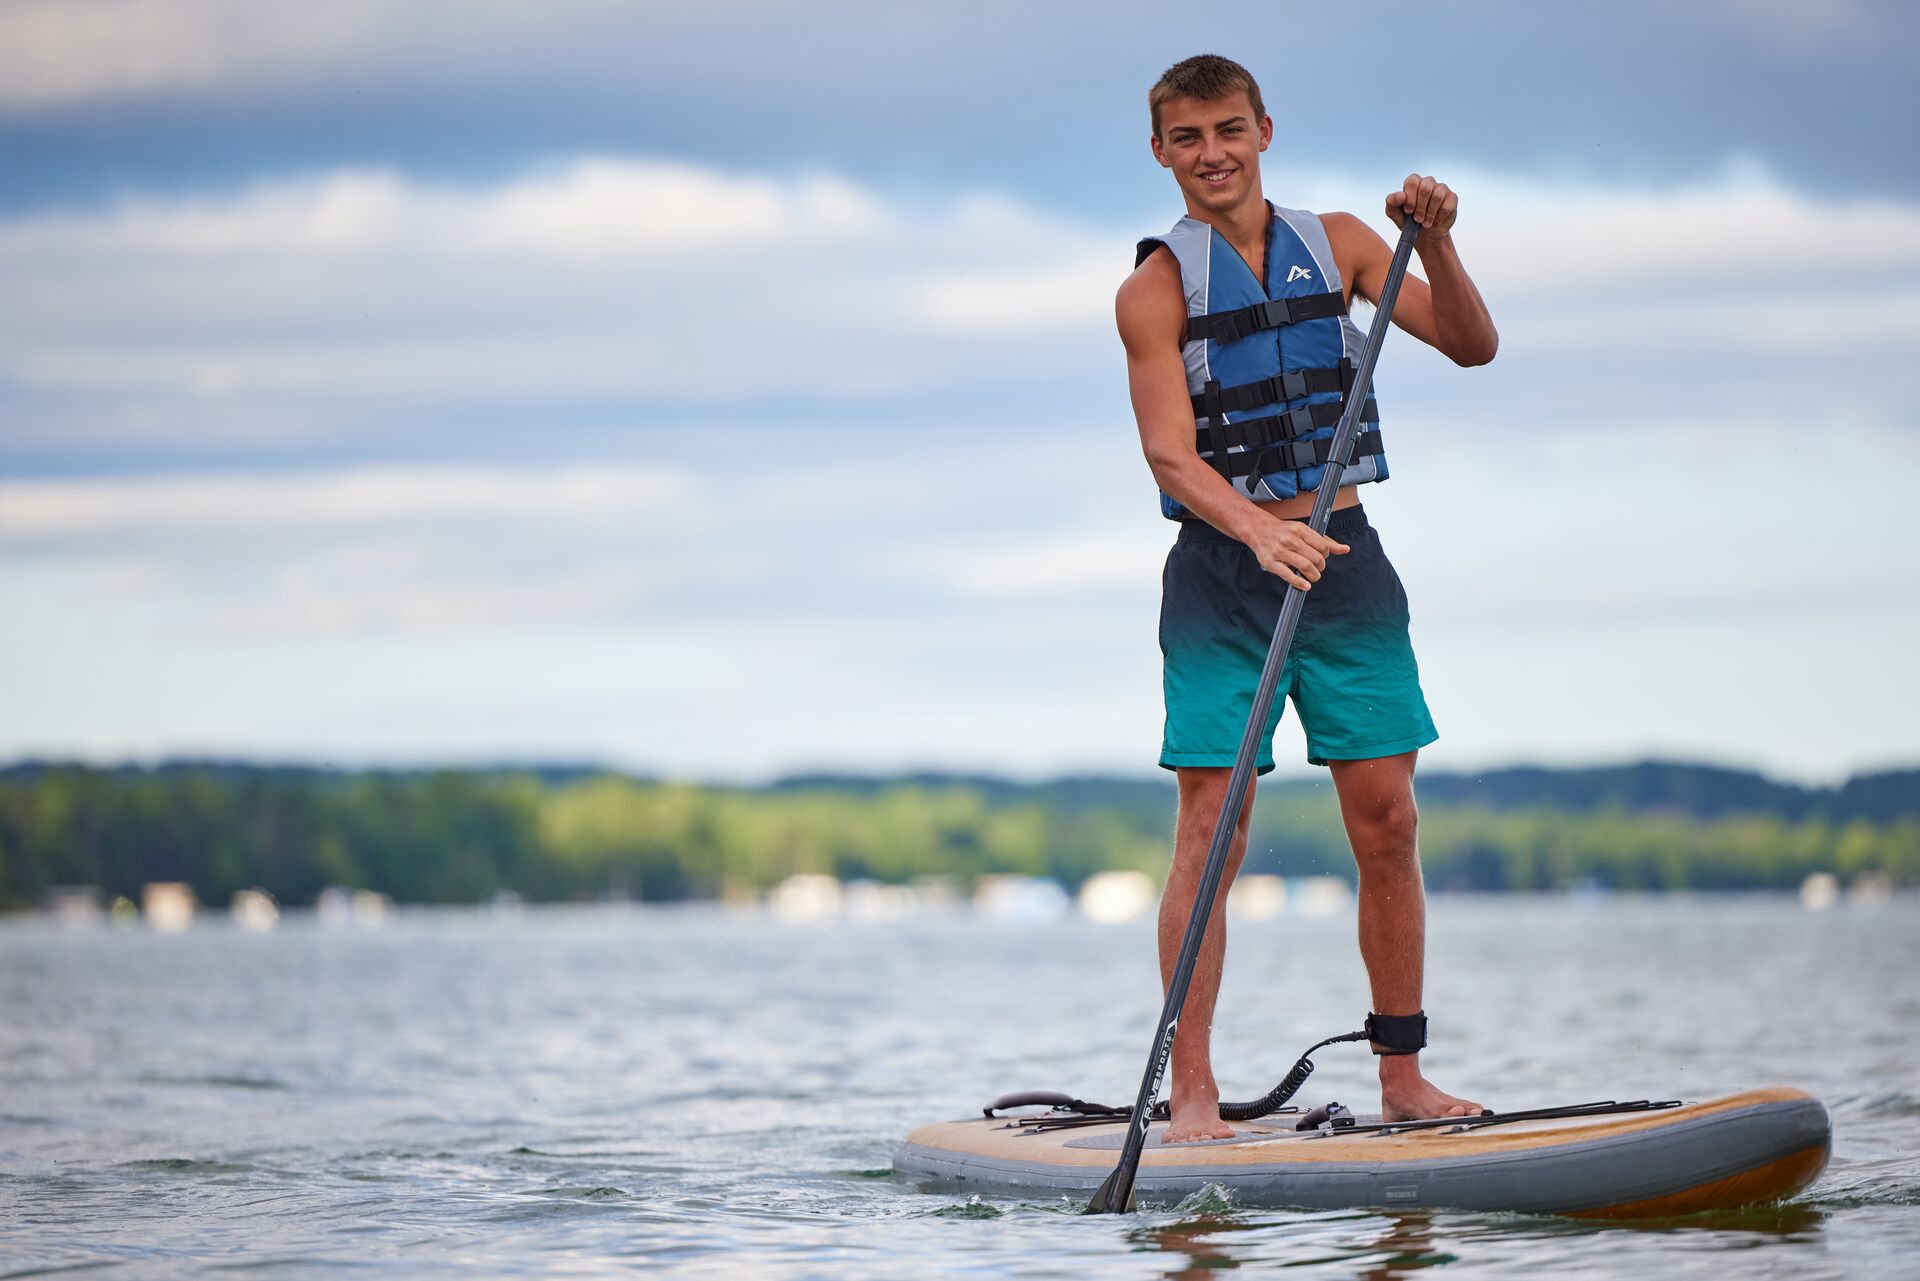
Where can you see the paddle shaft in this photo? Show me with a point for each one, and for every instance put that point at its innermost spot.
(1116, 1194)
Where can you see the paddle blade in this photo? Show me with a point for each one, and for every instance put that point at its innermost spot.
(1102, 1202)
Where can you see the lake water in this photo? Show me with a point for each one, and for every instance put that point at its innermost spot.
(595, 1092)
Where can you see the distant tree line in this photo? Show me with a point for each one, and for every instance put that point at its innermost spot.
(459, 837)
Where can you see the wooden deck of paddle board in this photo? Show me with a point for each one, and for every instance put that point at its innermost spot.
(1276, 1143)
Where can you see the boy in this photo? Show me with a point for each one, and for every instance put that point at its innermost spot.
(1239, 355)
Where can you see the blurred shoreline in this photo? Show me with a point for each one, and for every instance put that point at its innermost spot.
(155, 843)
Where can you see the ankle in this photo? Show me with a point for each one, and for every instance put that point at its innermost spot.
(1196, 1092)
(1399, 1069)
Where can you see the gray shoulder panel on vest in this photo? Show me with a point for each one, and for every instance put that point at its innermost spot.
(1191, 243)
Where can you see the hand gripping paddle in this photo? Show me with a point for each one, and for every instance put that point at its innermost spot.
(1116, 1194)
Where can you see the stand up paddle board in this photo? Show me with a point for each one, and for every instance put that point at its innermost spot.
(1600, 1160)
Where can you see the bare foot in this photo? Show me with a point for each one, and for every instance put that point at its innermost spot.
(1411, 1097)
(1193, 1117)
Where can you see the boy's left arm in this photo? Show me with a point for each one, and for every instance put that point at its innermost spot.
(1445, 310)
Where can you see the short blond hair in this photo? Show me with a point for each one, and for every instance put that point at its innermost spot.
(1204, 77)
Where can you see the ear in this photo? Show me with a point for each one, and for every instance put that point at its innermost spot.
(1159, 152)
(1266, 132)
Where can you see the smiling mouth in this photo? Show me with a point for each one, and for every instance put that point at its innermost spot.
(1217, 177)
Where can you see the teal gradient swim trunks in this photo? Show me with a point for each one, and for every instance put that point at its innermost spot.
(1351, 672)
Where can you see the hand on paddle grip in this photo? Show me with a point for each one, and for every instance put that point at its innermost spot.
(1431, 202)
(1292, 550)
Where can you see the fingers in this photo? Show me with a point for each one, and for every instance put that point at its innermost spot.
(1318, 546)
(1426, 200)
(1323, 544)
(1302, 559)
(1291, 576)
(1297, 568)
(1298, 554)
(1298, 565)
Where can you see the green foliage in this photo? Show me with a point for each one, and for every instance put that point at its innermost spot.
(450, 837)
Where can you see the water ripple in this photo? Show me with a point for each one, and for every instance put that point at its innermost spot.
(588, 1093)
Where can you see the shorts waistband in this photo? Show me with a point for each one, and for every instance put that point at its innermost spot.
(1343, 520)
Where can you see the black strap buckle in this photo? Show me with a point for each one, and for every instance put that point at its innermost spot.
(1210, 400)
(1271, 314)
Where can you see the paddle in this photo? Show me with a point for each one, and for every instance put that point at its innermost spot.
(1116, 1194)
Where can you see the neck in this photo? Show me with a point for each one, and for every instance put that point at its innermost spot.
(1245, 222)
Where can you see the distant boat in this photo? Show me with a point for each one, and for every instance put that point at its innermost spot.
(1322, 895)
(371, 908)
(1114, 898)
(1870, 889)
(806, 897)
(1257, 897)
(334, 907)
(1020, 898)
(1819, 891)
(254, 911)
(168, 906)
(72, 906)
(937, 893)
(338, 908)
(875, 902)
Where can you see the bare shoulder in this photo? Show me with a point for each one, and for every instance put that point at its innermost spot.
(1350, 232)
(1151, 306)
(1357, 248)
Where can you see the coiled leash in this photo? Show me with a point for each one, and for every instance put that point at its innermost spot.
(1389, 1033)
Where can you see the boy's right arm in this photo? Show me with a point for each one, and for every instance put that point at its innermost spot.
(1151, 311)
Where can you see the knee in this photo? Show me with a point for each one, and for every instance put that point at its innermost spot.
(1203, 792)
(1387, 833)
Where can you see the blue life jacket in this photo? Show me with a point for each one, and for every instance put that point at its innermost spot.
(1269, 366)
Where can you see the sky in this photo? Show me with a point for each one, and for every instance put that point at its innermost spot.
(721, 390)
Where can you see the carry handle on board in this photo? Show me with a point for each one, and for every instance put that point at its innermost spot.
(1116, 1194)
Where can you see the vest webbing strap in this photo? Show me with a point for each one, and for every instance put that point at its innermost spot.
(1295, 455)
(1291, 385)
(1257, 433)
(1226, 326)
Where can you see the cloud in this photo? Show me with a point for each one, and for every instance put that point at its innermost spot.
(1056, 566)
(321, 297)
(60, 52)
(594, 208)
(55, 52)
(830, 446)
(139, 511)
(368, 550)
(96, 94)
(588, 277)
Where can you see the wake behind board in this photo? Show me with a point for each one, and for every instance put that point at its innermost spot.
(1654, 1160)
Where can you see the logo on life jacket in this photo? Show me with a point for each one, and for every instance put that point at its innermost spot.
(1297, 272)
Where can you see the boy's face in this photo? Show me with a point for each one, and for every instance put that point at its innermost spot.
(1213, 147)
